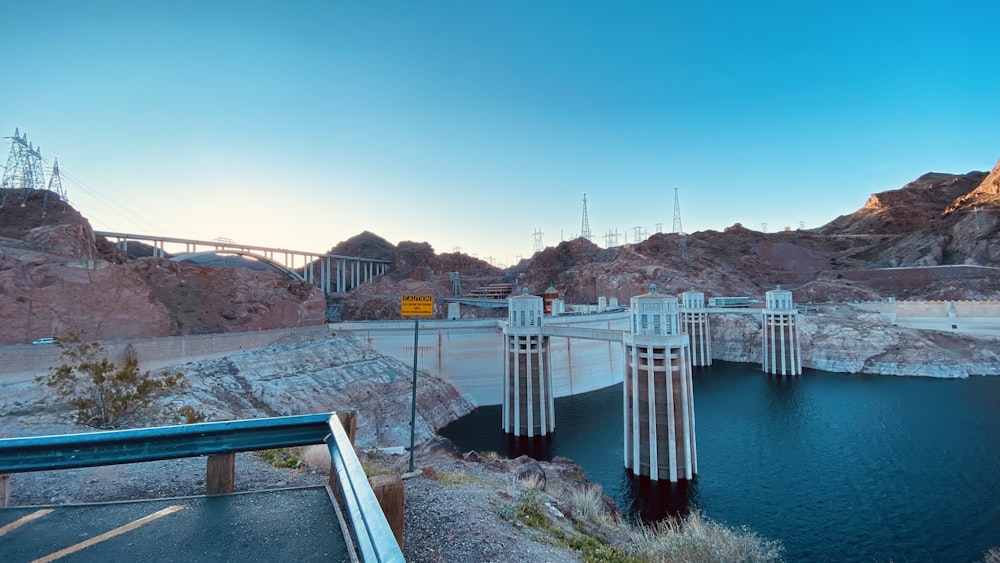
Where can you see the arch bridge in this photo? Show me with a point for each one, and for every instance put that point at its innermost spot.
(333, 273)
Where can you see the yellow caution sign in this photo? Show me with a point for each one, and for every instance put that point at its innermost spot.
(417, 306)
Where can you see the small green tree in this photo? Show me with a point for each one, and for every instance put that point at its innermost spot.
(108, 396)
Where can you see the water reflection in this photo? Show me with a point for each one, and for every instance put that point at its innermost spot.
(783, 398)
(537, 447)
(650, 501)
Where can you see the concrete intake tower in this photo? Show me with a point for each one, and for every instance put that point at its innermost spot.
(658, 392)
(694, 317)
(528, 400)
(780, 328)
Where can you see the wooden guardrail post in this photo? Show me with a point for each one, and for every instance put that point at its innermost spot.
(349, 420)
(389, 491)
(4, 490)
(220, 474)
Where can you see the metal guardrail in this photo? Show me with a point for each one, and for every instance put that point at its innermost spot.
(372, 533)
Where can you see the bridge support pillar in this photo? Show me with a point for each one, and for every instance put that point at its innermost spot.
(694, 320)
(780, 328)
(658, 392)
(528, 399)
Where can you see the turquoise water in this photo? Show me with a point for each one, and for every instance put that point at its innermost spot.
(838, 467)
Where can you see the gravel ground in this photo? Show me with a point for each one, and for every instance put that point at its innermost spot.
(452, 510)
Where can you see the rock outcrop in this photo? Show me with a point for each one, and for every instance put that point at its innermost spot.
(48, 295)
(839, 338)
(320, 376)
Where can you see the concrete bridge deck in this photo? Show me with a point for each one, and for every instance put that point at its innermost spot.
(333, 273)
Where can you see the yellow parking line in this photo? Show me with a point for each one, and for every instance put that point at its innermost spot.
(108, 535)
(24, 520)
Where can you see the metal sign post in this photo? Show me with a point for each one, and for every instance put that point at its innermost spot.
(416, 306)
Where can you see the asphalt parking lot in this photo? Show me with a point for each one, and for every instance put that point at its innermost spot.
(290, 524)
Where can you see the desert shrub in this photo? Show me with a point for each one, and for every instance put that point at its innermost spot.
(531, 509)
(455, 478)
(189, 415)
(282, 458)
(374, 463)
(106, 395)
(587, 504)
(695, 538)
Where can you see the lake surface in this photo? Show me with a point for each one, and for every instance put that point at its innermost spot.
(838, 467)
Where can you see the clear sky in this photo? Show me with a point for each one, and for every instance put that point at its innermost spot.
(471, 124)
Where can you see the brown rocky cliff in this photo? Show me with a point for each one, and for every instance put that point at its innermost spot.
(987, 193)
(205, 299)
(55, 277)
(910, 208)
(45, 223)
(45, 295)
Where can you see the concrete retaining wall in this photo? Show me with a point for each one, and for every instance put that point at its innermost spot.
(935, 308)
(980, 318)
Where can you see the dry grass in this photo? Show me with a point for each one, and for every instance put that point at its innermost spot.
(455, 478)
(587, 503)
(600, 535)
(376, 463)
(695, 538)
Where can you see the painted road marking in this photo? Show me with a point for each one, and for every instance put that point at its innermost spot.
(108, 535)
(24, 520)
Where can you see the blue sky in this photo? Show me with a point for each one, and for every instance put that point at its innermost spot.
(472, 124)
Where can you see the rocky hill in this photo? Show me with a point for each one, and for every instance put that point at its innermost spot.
(938, 219)
(414, 268)
(56, 277)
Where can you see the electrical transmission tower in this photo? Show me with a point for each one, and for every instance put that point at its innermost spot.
(763, 227)
(677, 213)
(585, 224)
(611, 238)
(537, 244)
(640, 234)
(55, 187)
(659, 228)
(24, 169)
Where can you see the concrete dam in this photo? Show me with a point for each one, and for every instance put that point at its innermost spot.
(469, 353)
